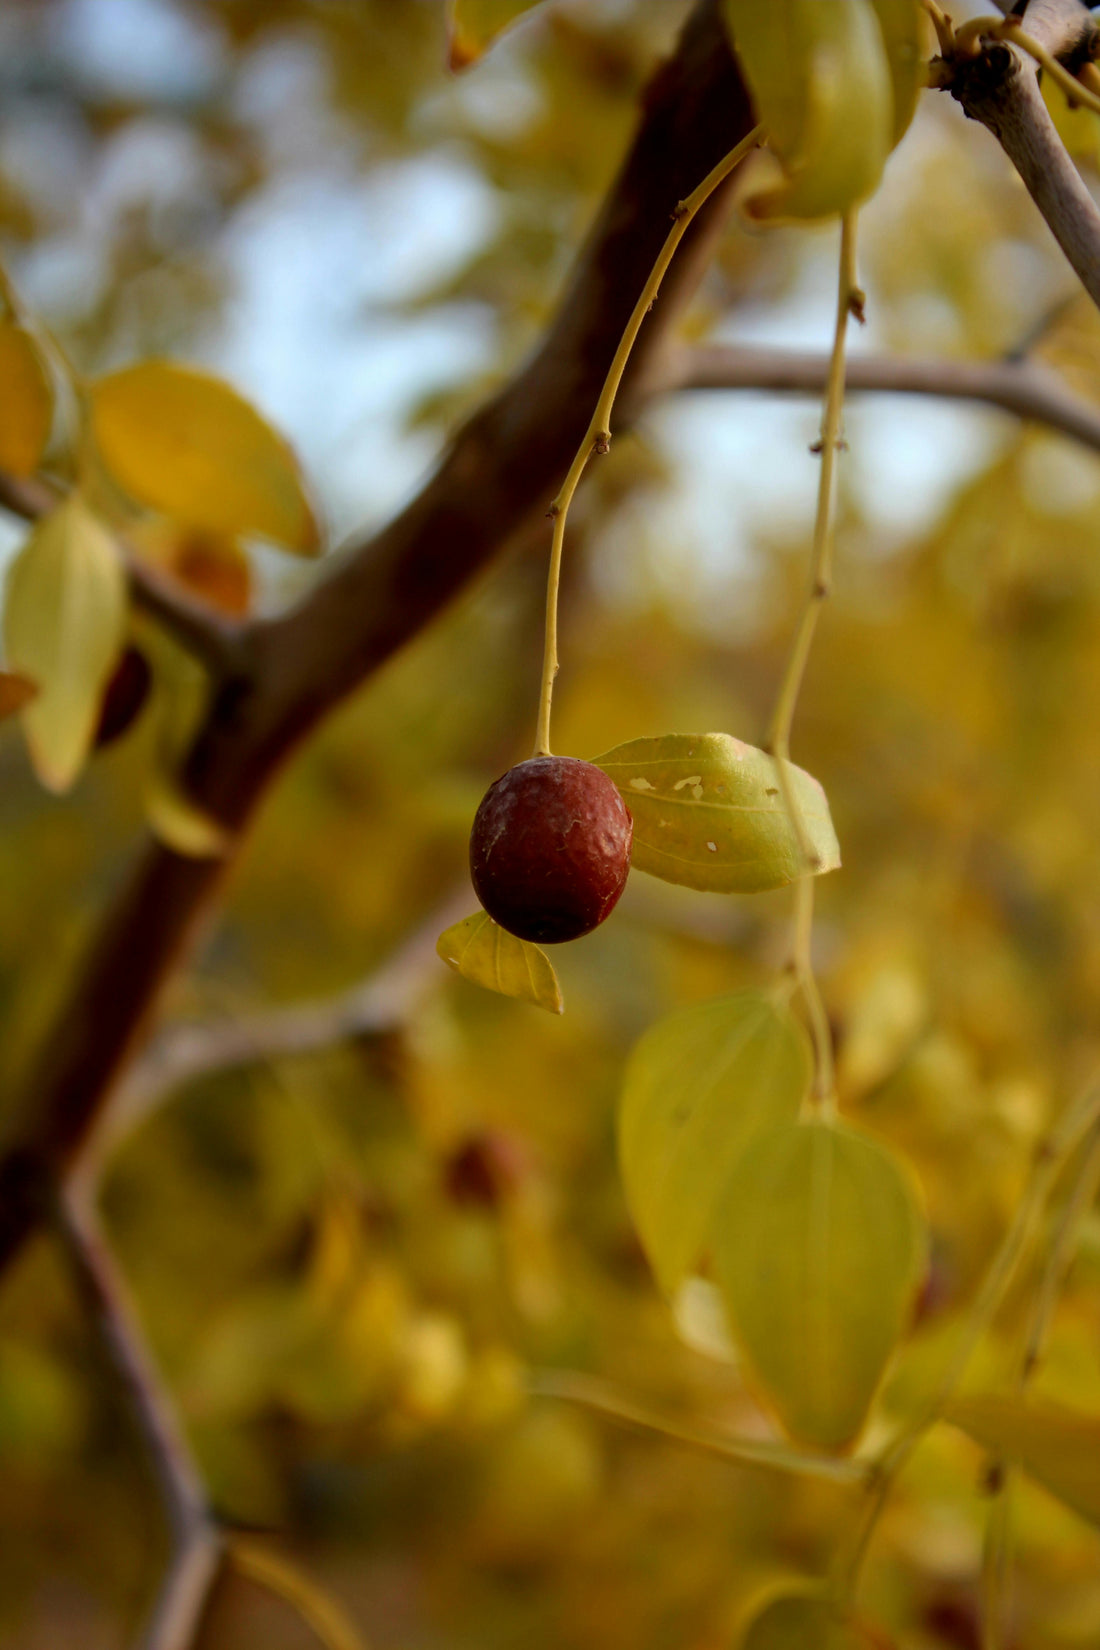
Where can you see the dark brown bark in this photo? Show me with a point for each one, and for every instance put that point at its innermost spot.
(282, 676)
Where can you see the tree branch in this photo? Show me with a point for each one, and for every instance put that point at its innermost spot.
(197, 1547)
(999, 87)
(1022, 387)
(498, 475)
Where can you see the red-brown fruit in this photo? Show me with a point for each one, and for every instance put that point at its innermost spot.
(550, 849)
(124, 697)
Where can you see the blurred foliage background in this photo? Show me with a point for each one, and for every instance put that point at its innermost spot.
(348, 1264)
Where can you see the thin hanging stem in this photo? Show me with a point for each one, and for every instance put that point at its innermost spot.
(849, 302)
(597, 437)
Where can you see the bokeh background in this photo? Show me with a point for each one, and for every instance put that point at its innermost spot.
(349, 1265)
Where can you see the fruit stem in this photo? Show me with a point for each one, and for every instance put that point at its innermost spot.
(597, 437)
(849, 302)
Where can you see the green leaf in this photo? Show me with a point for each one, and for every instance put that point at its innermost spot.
(180, 823)
(15, 692)
(802, 1620)
(1058, 1447)
(708, 813)
(822, 86)
(818, 1251)
(26, 405)
(486, 954)
(904, 27)
(186, 444)
(698, 1087)
(473, 24)
(64, 624)
(181, 692)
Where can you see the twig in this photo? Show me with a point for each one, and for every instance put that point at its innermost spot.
(196, 1544)
(751, 1452)
(1023, 388)
(181, 1054)
(597, 437)
(321, 1614)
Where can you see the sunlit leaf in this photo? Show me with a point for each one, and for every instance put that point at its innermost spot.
(486, 954)
(904, 28)
(801, 1620)
(26, 401)
(1058, 1447)
(698, 1086)
(64, 623)
(15, 692)
(822, 86)
(186, 444)
(708, 813)
(473, 24)
(818, 1249)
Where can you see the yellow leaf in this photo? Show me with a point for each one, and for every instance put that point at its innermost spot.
(699, 1086)
(64, 624)
(15, 692)
(708, 813)
(181, 691)
(802, 1620)
(473, 24)
(212, 566)
(26, 401)
(486, 954)
(818, 1250)
(186, 444)
(1078, 127)
(1058, 1447)
(905, 29)
(822, 85)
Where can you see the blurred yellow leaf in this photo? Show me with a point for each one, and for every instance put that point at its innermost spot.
(486, 954)
(15, 692)
(213, 566)
(180, 823)
(708, 813)
(64, 623)
(904, 28)
(818, 1250)
(1058, 1447)
(473, 24)
(698, 1087)
(1078, 127)
(822, 86)
(800, 1620)
(185, 443)
(26, 405)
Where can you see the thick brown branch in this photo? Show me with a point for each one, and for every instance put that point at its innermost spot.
(1024, 388)
(498, 475)
(1000, 88)
(196, 1543)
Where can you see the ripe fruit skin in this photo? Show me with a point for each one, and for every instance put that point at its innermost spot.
(550, 849)
(124, 697)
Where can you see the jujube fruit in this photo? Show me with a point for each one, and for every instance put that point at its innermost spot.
(550, 849)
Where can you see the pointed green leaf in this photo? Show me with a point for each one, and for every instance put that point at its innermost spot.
(822, 86)
(26, 401)
(802, 1620)
(186, 444)
(1058, 1447)
(818, 1250)
(486, 954)
(904, 28)
(180, 696)
(64, 623)
(473, 24)
(698, 1087)
(180, 823)
(708, 813)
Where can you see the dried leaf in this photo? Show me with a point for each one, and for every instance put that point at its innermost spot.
(708, 813)
(15, 692)
(26, 401)
(486, 954)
